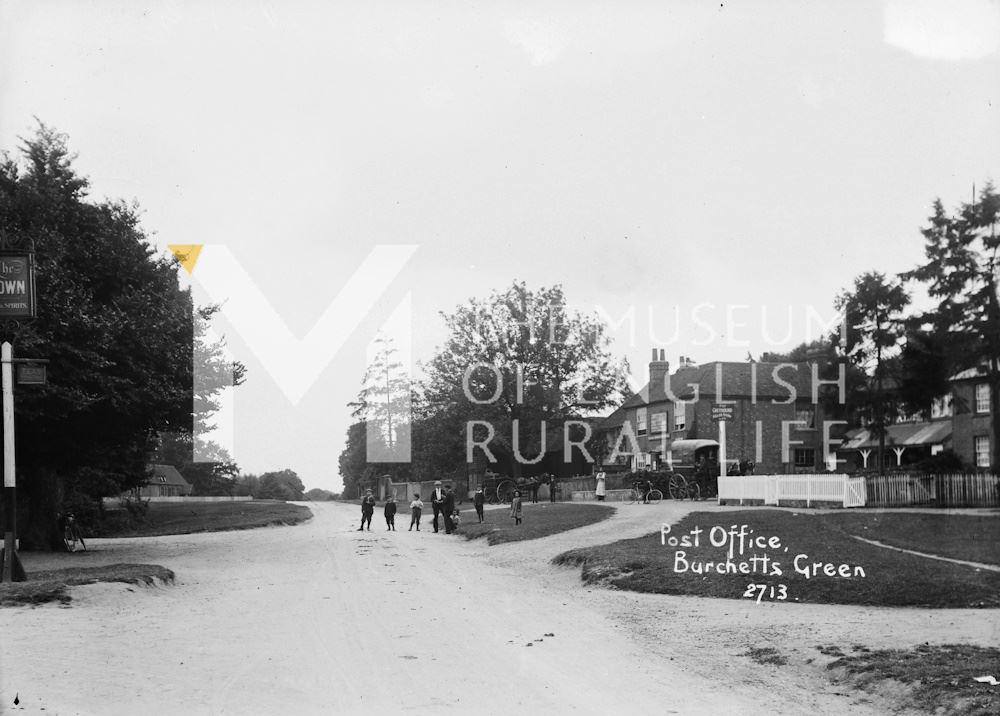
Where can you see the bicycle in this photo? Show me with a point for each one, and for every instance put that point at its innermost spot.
(71, 535)
(634, 495)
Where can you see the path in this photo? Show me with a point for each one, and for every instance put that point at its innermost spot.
(320, 618)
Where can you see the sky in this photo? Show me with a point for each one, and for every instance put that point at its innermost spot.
(698, 164)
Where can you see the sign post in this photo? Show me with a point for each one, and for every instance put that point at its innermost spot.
(722, 412)
(17, 303)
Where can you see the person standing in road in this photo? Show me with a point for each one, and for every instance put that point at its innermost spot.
(437, 498)
(390, 513)
(515, 507)
(552, 488)
(367, 510)
(601, 490)
(448, 507)
(479, 499)
(416, 507)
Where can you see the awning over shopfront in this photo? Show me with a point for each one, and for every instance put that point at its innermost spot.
(901, 435)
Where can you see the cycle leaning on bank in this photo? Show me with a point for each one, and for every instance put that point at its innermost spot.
(634, 495)
(72, 536)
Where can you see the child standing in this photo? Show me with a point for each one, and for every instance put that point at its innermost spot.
(478, 500)
(515, 507)
(390, 513)
(415, 508)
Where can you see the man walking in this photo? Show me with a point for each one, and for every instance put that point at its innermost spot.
(437, 498)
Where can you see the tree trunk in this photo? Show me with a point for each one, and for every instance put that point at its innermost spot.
(40, 497)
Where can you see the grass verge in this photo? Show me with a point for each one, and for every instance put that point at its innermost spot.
(178, 518)
(939, 679)
(540, 520)
(804, 558)
(52, 585)
(973, 538)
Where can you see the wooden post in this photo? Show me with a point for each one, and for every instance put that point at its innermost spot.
(12, 571)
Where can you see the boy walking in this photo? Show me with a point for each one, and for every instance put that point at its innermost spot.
(390, 513)
(415, 509)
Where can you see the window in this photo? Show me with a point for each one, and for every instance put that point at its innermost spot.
(640, 421)
(805, 457)
(680, 419)
(982, 451)
(982, 398)
(941, 407)
(657, 423)
(807, 416)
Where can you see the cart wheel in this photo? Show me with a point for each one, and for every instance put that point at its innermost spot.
(677, 487)
(654, 496)
(694, 490)
(505, 491)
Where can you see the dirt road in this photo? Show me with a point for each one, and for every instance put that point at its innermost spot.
(320, 618)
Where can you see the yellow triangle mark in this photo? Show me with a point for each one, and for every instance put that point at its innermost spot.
(187, 254)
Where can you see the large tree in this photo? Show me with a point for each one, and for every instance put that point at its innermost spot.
(116, 327)
(963, 260)
(521, 361)
(873, 328)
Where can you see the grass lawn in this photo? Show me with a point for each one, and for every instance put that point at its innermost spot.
(540, 520)
(804, 558)
(51, 586)
(941, 679)
(178, 518)
(973, 538)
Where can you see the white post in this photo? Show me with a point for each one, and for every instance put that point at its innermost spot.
(722, 448)
(7, 357)
(10, 508)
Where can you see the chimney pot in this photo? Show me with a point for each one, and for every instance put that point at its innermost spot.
(654, 354)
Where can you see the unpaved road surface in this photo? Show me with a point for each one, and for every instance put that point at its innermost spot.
(321, 618)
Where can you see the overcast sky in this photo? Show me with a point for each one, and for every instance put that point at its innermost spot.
(647, 156)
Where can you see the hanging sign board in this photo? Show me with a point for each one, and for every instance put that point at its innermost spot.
(17, 285)
(30, 373)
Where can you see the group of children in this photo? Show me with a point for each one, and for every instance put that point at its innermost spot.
(417, 507)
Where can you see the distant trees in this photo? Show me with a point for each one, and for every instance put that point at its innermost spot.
(514, 362)
(280, 485)
(276, 485)
(520, 361)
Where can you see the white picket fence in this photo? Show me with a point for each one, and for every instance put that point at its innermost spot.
(116, 501)
(772, 489)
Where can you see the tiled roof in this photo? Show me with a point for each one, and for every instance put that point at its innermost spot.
(169, 475)
(978, 371)
(737, 382)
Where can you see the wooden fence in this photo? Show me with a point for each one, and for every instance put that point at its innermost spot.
(957, 490)
(773, 489)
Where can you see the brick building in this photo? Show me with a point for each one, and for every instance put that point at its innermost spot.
(972, 418)
(777, 422)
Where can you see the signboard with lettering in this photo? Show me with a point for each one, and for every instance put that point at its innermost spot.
(17, 285)
(30, 373)
(722, 412)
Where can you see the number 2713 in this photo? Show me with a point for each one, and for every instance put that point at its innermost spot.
(762, 590)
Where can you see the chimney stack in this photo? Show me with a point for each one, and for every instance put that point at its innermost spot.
(659, 369)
